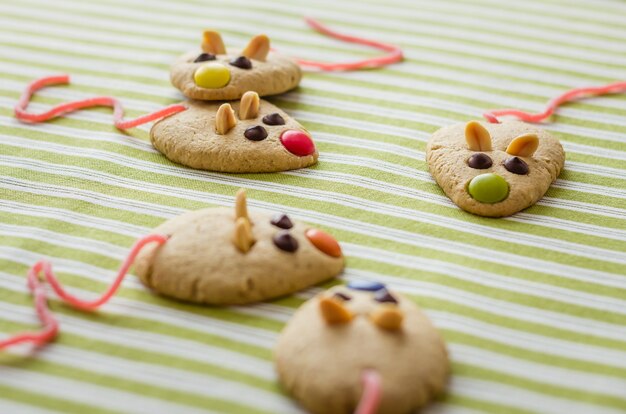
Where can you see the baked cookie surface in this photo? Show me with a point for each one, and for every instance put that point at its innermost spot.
(247, 136)
(224, 256)
(213, 74)
(494, 170)
(337, 335)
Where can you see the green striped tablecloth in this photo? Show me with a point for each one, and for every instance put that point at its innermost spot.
(533, 307)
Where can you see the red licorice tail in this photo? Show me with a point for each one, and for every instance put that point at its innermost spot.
(394, 55)
(371, 393)
(571, 95)
(64, 108)
(50, 325)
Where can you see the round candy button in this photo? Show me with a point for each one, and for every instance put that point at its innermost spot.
(324, 242)
(365, 285)
(488, 188)
(297, 142)
(212, 75)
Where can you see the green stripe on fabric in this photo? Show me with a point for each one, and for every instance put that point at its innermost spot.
(543, 388)
(139, 388)
(83, 342)
(39, 399)
(484, 406)
(542, 358)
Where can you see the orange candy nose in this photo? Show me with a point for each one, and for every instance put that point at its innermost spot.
(324, 242)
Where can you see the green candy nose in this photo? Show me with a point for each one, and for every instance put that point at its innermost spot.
(488, 188)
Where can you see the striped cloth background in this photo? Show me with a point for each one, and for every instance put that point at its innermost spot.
(533, 306)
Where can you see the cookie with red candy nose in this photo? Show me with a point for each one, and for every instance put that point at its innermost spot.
(246, 136)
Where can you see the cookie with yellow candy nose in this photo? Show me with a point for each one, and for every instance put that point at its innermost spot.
(494, 170)
(361, 345)
(213, 73)
(231, 256)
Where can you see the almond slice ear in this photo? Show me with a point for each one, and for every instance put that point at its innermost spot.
(212, 43)
(225, 119)
(249, 106)
(241, 205)
(258, 48)
(388, 317)
(243, 238)
(477, 137)
(334, 312)
(524, 145)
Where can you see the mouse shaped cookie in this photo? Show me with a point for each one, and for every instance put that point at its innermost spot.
(362, 330)
(494, 170)
(247, 136)
(214, 74)
(224, 256)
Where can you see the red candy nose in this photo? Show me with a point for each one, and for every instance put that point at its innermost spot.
(297, 142)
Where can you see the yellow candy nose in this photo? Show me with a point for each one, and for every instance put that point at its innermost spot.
(212, 75)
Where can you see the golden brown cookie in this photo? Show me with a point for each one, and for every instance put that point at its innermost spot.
(216, 75)
(335, 337)
(494, 170)
(247, 136)
(226, 256)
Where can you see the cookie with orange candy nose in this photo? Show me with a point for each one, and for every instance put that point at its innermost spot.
(361, 348)
(494, 170)
(226, 256)
(215, 74)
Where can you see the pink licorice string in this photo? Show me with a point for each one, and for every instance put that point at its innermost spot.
(394, 55)
(118, 109)
(49, 322)
(371, 393)
(571, 95)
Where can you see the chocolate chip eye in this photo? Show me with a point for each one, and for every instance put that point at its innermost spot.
(203, 57)
(285, 241)
(282, 221)
(383, 296)
(342, 296)
(516, 165)
(480, 161)
(273, 119)
(241, 62)
(255, 133)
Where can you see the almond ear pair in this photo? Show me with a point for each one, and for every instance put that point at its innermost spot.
(385, 316)
(479, 139)
(225, 119)
(258, 47)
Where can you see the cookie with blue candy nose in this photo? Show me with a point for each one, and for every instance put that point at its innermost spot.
(494, 170)
(363, 346)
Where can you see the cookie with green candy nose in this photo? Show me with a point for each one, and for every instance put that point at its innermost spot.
(494, 170)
